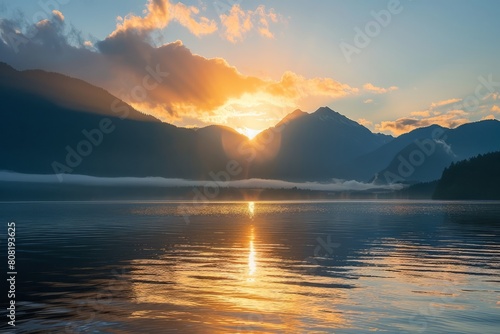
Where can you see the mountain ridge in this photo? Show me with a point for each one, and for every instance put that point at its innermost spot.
(45, 123)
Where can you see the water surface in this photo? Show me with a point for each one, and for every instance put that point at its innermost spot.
(270, 267)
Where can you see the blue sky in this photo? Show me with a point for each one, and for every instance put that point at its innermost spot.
(431, 52)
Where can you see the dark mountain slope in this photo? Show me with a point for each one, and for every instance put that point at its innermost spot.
(473, 179)
(312, 146)
(366, 166)
(424, 160)
(37, 130)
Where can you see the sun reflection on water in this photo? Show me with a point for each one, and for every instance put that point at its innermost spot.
(251, 209)
(235, 280)
(252, 264)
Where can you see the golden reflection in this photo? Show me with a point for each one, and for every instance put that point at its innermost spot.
(245, 281)
(252, 265)
(251, 210)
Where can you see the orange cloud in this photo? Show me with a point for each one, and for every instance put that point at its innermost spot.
(489, 117)
(58, 15)
(264, 19)
(443, 103)
(378, 90)
(169, 81)
(239, 22)
(495, 108)
(296, 86)
(159, 13)
(366, 123)
(197, 88)
(236, 23)
(437, 108)
(443, 113)
(451, 119)
(424, 113)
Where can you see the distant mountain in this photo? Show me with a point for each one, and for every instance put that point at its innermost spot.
(366, 166)
(425, 158)
(50, 123)
(476, 178)
(53, 124)
(312, 146)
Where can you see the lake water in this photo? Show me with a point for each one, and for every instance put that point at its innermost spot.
(262, 267)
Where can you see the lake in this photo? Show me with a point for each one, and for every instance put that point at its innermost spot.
(262, 267)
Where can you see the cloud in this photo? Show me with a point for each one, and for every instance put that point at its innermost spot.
(296, 86)
(447, 148)
(366, 123)
(236, 24)
(378, 90)
(277, 98)
(423, 113)
(264, 20)
(58, 15)
(495, 108)
(191, 83)
(489, 117)
(167, 81)
(451, 119)
(444, 113)
(74, 179)
(368, 101)
(444, 103)
(239, 22)
(159, 13)
(438, 108)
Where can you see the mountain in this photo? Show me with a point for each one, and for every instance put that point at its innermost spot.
(473, 179)
(81, 129)
(53, 124)
(66, 92)
(425, 158)
(366, 166)
(311, 146)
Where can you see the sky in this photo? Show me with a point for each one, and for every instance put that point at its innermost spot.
(391, 65)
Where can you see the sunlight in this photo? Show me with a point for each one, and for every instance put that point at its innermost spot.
(251, 209)
(250, 133)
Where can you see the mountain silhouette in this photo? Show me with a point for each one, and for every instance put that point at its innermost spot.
(313, 146)
(54, 124)
(367, 165)
(41, 130)
(425, 158)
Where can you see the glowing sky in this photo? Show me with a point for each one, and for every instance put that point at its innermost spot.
(247, 64)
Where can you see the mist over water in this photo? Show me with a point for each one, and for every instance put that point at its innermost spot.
(74, 179)
(274, 267)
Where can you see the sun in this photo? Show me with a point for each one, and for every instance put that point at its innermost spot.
(250, 133)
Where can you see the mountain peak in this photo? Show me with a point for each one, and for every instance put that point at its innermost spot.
(292, 116)
(327, 114)
(324, 110)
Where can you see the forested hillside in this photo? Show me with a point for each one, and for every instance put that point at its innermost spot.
(475, 178)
